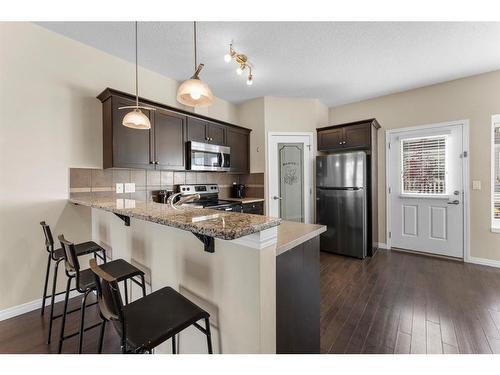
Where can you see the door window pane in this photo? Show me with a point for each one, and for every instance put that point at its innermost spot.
(291, 169)
(424, 165)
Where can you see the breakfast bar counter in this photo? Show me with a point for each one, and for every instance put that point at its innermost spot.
(204, 221)
(259, 284)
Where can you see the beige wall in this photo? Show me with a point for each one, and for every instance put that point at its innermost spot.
(474, 98)
(51, 121)
(251, 115)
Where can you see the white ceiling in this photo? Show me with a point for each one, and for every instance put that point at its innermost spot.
(337, 62)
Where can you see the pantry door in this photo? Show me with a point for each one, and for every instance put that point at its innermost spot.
(426, 189)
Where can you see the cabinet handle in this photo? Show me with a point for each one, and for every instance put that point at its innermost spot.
(151, 162)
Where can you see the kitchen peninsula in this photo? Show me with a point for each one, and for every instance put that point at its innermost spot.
(260, 285)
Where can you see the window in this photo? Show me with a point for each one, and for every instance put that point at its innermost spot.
(424, 165)
(495, 172)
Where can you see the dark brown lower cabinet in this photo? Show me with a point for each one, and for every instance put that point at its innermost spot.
(298, 299)
(256, 208)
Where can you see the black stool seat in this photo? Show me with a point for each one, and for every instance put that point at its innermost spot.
(120, 269)
(83, 248)
(157, 317)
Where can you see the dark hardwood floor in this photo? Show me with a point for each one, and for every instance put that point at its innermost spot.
(398, 302)
(392, 303)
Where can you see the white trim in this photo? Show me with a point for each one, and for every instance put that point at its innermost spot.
(484, 262)
(259, 240)
(308, 170)
(465, 178)
(383, 246)
(24, 308)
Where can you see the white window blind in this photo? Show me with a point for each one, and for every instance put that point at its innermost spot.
(424, 165)
(496, 182)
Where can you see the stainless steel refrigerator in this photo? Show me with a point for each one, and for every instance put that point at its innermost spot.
(341, 203)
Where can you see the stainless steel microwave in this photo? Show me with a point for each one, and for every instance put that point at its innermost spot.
(208, 157)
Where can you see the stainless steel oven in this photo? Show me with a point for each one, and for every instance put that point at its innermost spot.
(208, 157)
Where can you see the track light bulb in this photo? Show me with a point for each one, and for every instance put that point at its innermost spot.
(239, 71)
(227, 57)
(249, 81)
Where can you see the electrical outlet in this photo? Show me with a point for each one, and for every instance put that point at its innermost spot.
(119, 188)
(130, 187)
(476, 185)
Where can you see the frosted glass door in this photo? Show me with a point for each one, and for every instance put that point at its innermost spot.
(291, 171)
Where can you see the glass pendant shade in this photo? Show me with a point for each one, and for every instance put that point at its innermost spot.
(194, 93)
(136, 120)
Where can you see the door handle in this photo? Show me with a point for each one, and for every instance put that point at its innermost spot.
(454, 202)
(276, 198)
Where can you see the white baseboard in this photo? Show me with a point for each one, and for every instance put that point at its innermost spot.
(483, 261)
(382, 245)
(30, 306)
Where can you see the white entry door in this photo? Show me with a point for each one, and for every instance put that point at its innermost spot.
(289, 188)
(426, 189)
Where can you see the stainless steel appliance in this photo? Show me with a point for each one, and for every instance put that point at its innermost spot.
(208, 157)
(341, 203)
(209, 197)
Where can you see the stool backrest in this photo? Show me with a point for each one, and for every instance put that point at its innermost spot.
(70, 257)
(109, 297)
(49, 240)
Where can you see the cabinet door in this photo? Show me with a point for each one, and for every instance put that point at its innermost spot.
(330, 139)
(357, 136)
(216, 134)
(131, 147)
(169, 140)
(239, 142)
(196, 130)
(256, 208)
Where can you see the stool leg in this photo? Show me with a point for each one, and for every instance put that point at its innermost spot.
(125, 287)
(63, 320)
(101, 335)
(104, 256)
(143, 285)
(44, 297)
(209, 336)
(174, 351)
(52, 300)
(82, 321)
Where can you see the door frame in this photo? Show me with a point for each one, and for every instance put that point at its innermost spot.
(272, 139)
(465, 179)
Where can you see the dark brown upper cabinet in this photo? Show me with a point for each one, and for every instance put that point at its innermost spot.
(352, 136)
(124, 147)
(168, 140)
(239, 142)
(164, 145)
(205, 131)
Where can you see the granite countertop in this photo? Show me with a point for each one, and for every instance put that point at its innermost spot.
(245, 200)
(213, 223)
(291, 234)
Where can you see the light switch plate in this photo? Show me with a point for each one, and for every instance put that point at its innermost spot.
(119, 188)
(130, 187)
(476, 185)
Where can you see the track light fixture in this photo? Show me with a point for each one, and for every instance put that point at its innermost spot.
(242, 61)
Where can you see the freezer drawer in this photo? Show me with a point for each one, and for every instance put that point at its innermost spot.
(343, 211)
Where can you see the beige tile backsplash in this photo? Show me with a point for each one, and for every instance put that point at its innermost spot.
(102, 182)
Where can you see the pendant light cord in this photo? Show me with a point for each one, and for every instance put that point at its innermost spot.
(195, 52)
(136, 70)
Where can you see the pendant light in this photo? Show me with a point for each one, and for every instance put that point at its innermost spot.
(135, 119)
(194, 92)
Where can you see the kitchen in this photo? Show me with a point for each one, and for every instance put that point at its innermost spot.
(276, 218)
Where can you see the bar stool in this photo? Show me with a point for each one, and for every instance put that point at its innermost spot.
(57, 256)
(85, 283)
(147, 322)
